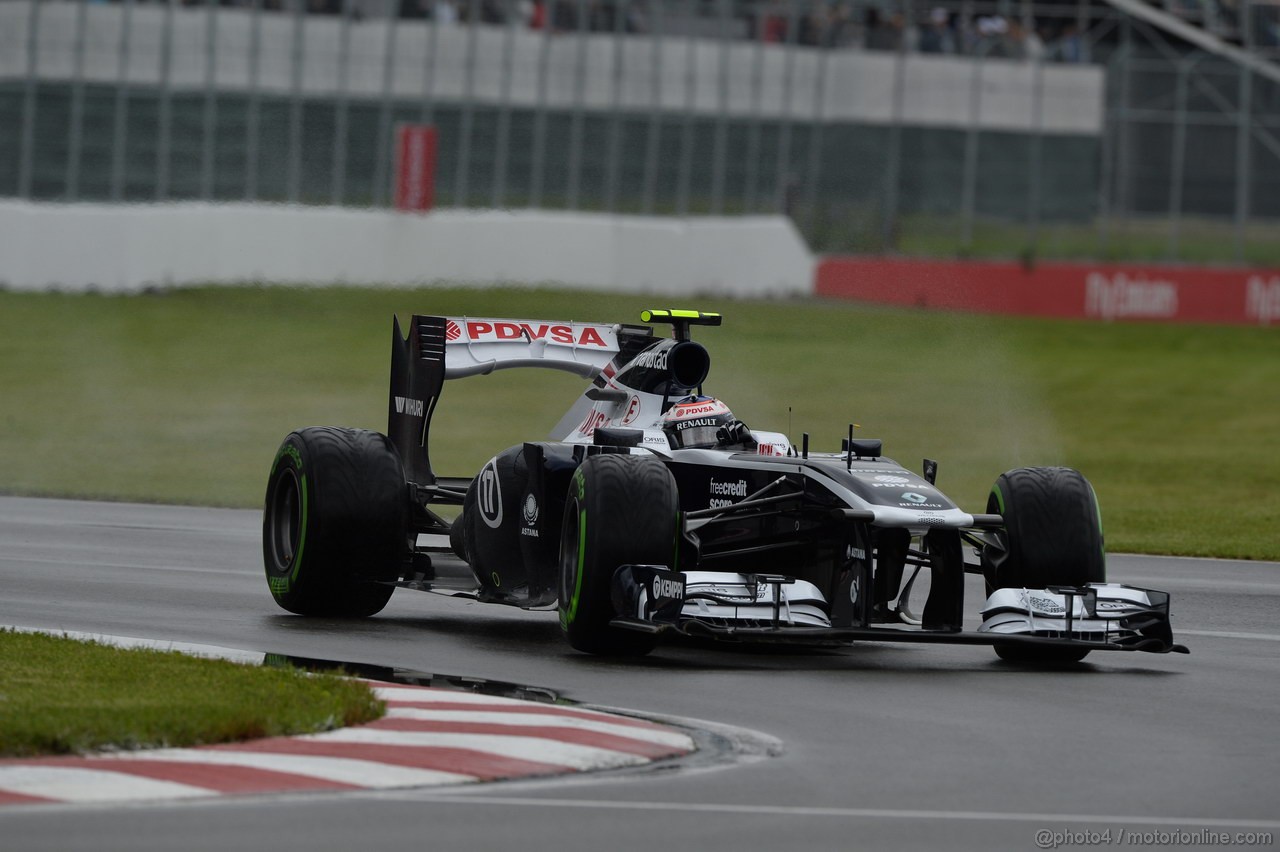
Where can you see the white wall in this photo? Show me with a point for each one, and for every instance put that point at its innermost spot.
(127, 247)
(741, 79)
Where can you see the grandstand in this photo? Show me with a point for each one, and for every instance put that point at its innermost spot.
(978, 127)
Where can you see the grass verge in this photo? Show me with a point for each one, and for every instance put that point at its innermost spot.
(184, 395)
(62, 696)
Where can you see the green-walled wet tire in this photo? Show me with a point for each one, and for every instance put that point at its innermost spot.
(621, 510)
(335, 522)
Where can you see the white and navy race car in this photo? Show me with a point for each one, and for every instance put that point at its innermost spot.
(655, 511)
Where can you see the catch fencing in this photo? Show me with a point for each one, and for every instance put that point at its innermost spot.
(1031, 129)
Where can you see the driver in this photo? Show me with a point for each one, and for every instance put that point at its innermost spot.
(704, 422)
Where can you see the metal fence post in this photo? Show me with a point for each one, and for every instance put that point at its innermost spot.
(120, 127)
(251, 116)
(615, 117)
(75, 124)
(1178, 159)
(164, 117)
(751, 179)
(1035, 159)
(969, 182)
(462, 175)
(685, 175)
(893, 168)
(295, 104)
(1123, 156)
(382, 154)
(720, 144)
(209, 120)
(1107, 156)
(813, 178)
(1083, 8)
(426, 110)
(26, 155)
(1244, 133)
(341, 107)
(503, 140)
(579, 103)
(654, 136)
(782, 178)
(538, 154)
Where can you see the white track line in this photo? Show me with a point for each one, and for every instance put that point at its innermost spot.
(1221, 634)
(870, 813)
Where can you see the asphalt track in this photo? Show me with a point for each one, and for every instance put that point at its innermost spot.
(881, 746)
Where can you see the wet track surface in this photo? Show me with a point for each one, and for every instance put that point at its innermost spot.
(882, 746)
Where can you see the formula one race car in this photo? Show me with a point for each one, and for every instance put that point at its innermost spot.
(655, 511)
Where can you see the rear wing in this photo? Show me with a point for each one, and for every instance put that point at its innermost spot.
(439, 348)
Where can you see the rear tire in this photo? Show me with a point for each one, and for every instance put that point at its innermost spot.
(1053, 537)
(335, 522)
(621, 510)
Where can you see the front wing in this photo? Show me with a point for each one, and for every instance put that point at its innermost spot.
(767, 608)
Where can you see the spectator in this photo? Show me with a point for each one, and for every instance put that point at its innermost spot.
(601, 17)
(1021, 44)
(637, 17)
(537, 18)
(839, 25)
(881, 35)
(416, 9)
(937, 36)
(564, 16)
(444, 12)
(812, 25)
(991, 37)
(774, 30)
(1070, 44)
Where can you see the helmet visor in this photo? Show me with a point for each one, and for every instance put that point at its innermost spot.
(698, 436)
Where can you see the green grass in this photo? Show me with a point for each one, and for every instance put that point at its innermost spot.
(59, 696)
(185, 395)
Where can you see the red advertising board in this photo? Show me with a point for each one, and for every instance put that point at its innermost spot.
(1105, 291)
(415, 177)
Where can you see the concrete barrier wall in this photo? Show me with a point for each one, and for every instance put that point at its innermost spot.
(121, 248)
(124, 248)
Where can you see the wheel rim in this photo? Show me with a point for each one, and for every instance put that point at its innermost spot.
(286, 520)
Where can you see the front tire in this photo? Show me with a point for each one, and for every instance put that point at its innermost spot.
(1053, 537)
(621, 510)
(335, 522)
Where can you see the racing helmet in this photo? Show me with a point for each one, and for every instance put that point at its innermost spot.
(695, 421)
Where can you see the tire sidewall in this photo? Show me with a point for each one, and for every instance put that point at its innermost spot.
(287, 483)
(350, 523)
(602, 530)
